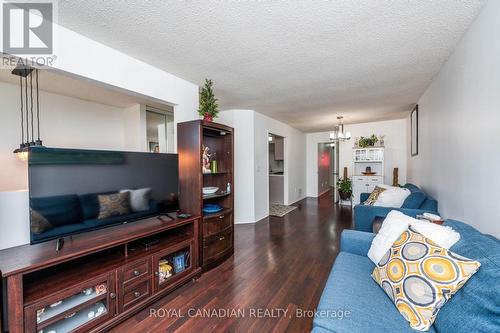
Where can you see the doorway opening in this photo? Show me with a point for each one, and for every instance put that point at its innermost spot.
(159, 130)
(328, 169)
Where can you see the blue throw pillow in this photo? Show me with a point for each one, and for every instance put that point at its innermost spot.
(58, 210)
(414, 200)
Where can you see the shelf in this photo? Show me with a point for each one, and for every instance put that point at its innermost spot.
(222, 212)
(44, 284)
(214, 196)
(80, 318)
(69, 304)
(28, 258)
(217, 173)
(368, 161)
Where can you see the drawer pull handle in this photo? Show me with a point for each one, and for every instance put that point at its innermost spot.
(157, 273)
(137, 273)
(221, 217)
(137, 294)
(112, 295)
(222, 238)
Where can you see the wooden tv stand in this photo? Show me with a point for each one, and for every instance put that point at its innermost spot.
(102, 277)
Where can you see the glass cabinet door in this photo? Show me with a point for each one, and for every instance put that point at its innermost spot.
(76, 309)
(170, 265)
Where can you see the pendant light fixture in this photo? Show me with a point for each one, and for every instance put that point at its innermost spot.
(338, 133)
(28, 117)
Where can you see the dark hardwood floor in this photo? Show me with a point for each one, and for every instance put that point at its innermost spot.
(279, 263)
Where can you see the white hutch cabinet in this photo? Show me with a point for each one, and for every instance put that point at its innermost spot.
(363, 182)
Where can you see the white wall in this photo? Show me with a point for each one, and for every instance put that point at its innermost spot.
(294, 164)
(244, 190)
(65, 122)
(251, 162)
(459, 128)
(396, 150)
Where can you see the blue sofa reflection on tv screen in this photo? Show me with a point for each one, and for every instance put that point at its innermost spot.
(69, 214)
(75, 190)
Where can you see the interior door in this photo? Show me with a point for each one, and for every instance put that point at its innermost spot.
(323, 167)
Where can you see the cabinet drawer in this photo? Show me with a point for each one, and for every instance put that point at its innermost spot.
(135, 271)
(375, 180)
(217, 244)
(217, 224)
(136, 293)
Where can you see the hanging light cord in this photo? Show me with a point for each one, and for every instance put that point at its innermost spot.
(37, 109)
(31, 104)
(22, 110)
(27, 109)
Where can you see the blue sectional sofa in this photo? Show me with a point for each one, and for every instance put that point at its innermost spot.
(474, 308)
(418, 202)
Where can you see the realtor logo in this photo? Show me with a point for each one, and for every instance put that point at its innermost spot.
(27, 28)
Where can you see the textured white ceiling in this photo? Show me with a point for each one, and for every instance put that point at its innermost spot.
(299, 61)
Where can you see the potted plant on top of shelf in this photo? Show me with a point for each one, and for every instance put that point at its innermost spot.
(209, 108)
(367, 142)
(344, 186)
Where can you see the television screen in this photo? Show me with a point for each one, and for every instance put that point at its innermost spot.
(73, 191)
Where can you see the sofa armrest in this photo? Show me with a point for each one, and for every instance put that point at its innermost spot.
(364, 216)
(356, 242)
(363, 197)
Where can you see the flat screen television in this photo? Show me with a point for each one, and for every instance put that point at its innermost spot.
(73, 191)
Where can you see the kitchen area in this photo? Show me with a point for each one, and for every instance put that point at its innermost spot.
(276, 169)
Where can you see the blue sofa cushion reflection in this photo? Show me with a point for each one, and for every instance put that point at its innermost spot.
(418, 202)
(70, 214)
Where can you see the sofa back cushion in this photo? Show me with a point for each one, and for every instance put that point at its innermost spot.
(474, 308)
(430, 204)
(414, 200)
(58, 210)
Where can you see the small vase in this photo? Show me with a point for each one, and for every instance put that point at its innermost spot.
(208, 117)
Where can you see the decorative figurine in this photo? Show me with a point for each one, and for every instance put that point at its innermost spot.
(165, 270)
(88, 291)
(55, 304)
(206, 159)
(100, 289)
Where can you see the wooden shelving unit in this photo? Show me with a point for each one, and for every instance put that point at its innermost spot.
(216, 239)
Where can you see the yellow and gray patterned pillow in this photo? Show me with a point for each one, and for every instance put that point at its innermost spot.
(113, 204)
(419, 277)
(374, 195)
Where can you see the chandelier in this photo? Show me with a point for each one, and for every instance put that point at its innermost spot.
(338, 133)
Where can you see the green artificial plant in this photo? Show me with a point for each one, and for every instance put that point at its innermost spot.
(344, 186)
(209, 108)
(367, 142)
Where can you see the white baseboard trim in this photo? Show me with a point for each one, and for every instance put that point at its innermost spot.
(301, 198)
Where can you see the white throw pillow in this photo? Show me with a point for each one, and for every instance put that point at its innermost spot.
(392, 196)
(139, 199)
(393, 226)
(396, 223)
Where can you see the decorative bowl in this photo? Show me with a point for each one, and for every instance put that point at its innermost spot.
(210, 190)
(212, 208)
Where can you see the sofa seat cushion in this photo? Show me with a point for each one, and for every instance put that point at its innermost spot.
(96, 223)
(350, 287)
(60, 231)
(475, 307)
